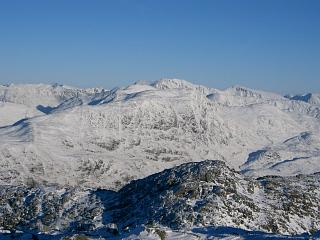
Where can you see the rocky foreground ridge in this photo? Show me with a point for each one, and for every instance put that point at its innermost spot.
(189, 196)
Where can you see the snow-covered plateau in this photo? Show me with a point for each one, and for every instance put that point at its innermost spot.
(70, 158)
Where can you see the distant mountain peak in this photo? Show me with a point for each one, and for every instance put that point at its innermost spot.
(171, 83)
(311, 98)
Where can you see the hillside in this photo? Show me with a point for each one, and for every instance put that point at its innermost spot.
(191, 201)
(106, 138)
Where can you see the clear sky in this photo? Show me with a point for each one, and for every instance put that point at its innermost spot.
(266, 44)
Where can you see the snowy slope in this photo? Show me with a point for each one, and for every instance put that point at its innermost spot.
(13, 112)
(297, 155)
(312, 98)
(240, 96)
(18, 101)
(40, 94)
(107, 138)
(63, 149)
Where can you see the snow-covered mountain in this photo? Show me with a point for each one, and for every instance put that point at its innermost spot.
(33, 95)
(240, 96)
(297, 155)
(106, 138)
(64, 150)
(18, 101)
(312, 98)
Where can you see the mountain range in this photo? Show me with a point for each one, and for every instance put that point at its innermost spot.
(56, 138)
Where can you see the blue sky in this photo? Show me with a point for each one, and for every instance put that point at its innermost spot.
(266, 44)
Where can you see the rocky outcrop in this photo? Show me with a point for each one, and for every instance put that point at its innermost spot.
(193, 195)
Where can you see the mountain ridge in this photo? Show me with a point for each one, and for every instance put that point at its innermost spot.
(129, 163)
(185, 199)
(140, 129)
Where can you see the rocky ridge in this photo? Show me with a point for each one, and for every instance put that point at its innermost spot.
(184, 198)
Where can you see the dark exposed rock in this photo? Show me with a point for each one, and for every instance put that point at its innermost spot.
(192, 195)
